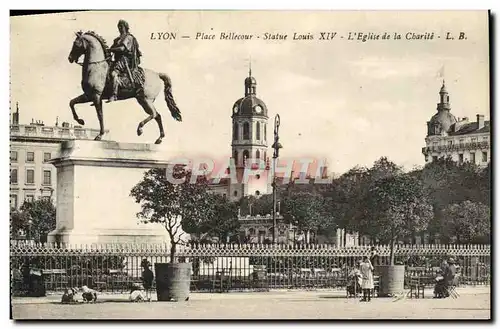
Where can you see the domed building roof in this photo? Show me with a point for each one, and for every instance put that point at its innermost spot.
(250, 105)
(443, 89)
(250, 80)
(444, 118)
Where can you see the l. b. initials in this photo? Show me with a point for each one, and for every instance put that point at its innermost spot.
(461, 36)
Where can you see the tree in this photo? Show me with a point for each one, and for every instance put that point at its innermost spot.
(396, 206)
(306, 210)
(169, 202)
(343, 199)
(353, 189)
(42, 214)
(263, 205)
(18, 222)
(449, 182)
(246, 204)
(468, 222)
(220, 219)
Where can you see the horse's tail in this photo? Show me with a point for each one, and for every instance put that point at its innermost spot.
(169, 98)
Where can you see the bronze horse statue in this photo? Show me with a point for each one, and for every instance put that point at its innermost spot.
(95, 84)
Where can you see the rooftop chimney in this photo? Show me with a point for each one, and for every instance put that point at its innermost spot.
(480, 121)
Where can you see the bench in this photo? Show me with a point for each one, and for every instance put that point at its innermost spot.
(54, 271)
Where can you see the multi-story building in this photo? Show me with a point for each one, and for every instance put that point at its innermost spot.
(31, 146)
(259, 229)
(458, 138)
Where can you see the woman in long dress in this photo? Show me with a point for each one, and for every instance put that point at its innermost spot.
(366, 269)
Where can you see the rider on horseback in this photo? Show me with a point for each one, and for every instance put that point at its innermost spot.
(127, 60)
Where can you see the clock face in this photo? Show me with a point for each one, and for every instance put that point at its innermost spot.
(235, 109)
(258, 109)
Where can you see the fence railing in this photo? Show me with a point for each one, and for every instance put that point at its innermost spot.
(219, 267)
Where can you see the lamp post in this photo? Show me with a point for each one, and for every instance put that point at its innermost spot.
(276, 146)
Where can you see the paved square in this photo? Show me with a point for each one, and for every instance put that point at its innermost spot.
(474, 303)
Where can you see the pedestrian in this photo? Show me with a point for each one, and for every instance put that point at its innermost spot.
(367, 284)
(452, 272)
(147, 278)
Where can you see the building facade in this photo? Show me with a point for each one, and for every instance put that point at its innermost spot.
(459, 138)
(31, 146)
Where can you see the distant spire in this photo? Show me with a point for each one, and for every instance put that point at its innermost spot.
(250, 67)
(15, 116)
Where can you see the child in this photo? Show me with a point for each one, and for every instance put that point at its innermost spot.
(68, 297)
(89, 295)
(137, 293)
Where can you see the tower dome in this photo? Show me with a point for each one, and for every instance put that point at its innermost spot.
(250, 105)
(443, 120)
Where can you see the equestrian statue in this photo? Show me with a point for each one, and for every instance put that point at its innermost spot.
(114, 74)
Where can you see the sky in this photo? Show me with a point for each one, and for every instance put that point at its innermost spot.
(350, 102)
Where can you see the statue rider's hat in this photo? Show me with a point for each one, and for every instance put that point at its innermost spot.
(124, 23)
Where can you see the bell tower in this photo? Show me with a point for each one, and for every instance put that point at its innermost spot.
(249, 141)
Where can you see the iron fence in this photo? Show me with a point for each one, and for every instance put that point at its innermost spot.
(113, 268)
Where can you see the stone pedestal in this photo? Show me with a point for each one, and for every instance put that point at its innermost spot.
(94, 180)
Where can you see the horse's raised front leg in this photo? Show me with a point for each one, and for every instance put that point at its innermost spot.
(98, 108)
(149, 108)
(78, 100)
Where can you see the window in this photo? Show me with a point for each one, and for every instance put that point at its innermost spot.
(46, 198)
(13, 156)
(265, 132)
(236, 132)
(251, 231)
(485, 139)
(235, 157)
(434, 143)
(13, 176)
(246, 155)
(29, 198)
(257, 131)
(434, 158)
(472, 157)
(30, 157)
(460, 158)
(485, 156)
(47, 177)
(257, 154)
(473, 140)
(46, 156)
(461, 141)
(13, 201)
(246, 131)
(450, 143)
(235, 193)
(30, 176)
